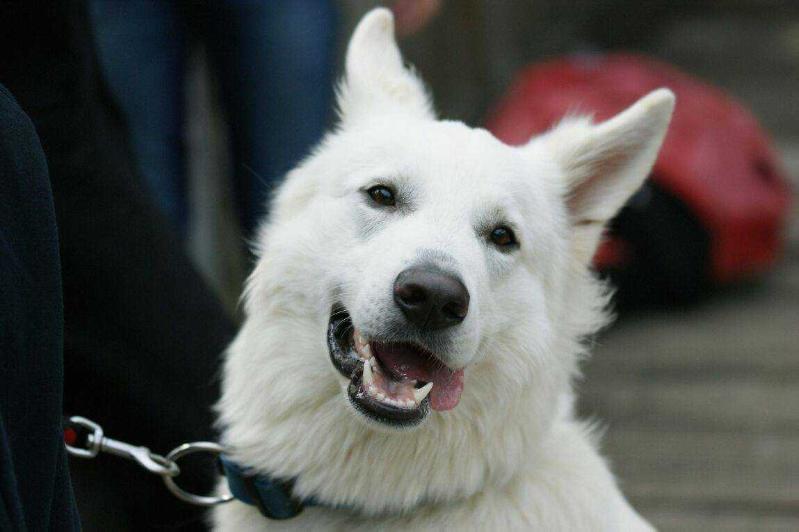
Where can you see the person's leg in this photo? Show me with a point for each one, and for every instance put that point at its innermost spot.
(142, 49)
(35, 490)
(275, 62)
(142, 331)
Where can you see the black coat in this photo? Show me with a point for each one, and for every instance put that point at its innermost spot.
(142, 332)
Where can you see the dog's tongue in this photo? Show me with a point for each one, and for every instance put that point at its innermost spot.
(410, 363)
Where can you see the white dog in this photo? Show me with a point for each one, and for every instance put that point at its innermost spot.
(418, 313)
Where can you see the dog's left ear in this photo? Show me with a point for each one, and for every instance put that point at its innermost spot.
(376, 80)
(605, 164)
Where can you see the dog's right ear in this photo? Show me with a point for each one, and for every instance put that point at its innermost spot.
(375, 79)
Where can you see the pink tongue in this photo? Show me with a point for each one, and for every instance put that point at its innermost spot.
(409, 363)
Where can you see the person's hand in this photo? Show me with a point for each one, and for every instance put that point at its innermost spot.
(412, 15)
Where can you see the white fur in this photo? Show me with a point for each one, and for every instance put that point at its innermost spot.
(511, 455)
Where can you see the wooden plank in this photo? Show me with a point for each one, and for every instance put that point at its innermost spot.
(709, 521)
(707, 470)
(649, 454)
(719, 405)
(752, 332)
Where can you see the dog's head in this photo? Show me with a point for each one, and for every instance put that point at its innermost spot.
(427, 257)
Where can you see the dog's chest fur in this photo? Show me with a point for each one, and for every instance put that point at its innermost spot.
(564, 486)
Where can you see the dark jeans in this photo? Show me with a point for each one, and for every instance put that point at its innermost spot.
(273, 62)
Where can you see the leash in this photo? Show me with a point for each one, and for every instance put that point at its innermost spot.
(272, 496)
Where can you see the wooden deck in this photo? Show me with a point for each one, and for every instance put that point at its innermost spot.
(702, 406)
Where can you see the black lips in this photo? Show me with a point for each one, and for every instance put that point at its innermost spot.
(346, 361)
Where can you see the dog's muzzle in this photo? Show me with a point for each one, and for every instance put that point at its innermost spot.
(390, 382)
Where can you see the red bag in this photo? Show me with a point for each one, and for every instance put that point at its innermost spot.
(716, 184)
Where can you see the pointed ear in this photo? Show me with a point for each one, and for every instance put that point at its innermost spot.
(375, 78)
(605, 164)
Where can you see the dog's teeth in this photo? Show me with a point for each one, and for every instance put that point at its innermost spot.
(422, 392)
(367, 374)
(381, 396)
(366, 350)
(409, 403)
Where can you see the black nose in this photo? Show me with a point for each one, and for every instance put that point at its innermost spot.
(431, 298)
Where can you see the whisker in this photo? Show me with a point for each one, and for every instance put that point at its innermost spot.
(339, 313)
(269, 185)
(346, 331)
(348, 324)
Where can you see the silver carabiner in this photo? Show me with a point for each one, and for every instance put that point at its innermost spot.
(97, 442)
(165, 466)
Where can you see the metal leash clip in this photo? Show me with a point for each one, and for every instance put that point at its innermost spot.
(94, 442)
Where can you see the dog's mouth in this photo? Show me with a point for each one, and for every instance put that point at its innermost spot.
(393, 383)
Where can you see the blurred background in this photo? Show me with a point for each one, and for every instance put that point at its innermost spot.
(700, 399)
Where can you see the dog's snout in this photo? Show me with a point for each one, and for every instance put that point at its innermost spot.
(431, 298)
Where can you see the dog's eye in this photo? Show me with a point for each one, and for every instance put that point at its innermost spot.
(382, 195)
(503, 238)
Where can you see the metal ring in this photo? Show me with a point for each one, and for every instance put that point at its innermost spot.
(190, 448)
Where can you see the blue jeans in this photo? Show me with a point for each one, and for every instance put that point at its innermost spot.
(273, 60)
